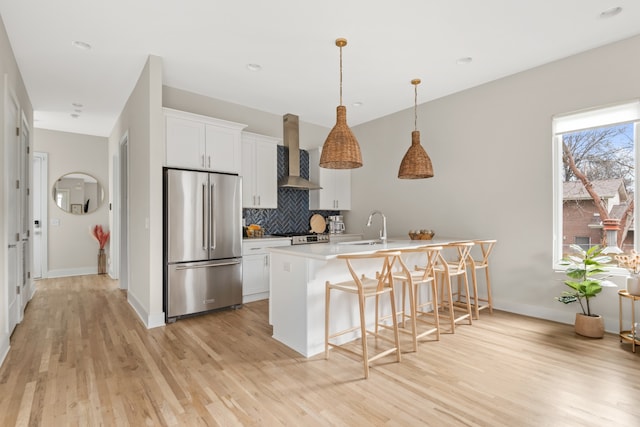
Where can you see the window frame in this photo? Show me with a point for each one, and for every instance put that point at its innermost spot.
(627, 112)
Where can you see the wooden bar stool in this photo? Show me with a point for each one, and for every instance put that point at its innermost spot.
(445, 270)
(365, 287)
(421, 309)
(480, 261)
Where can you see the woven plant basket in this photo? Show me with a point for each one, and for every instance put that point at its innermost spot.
(416, 164)
(589, 326)
(341, 149)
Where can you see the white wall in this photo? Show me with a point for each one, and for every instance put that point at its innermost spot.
(10, 75)
(491, 151)
(72, 249)
(142, 120)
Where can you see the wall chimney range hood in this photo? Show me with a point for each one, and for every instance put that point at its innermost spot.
(291, 139)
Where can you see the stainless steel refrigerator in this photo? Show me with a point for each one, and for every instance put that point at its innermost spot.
(202, 242)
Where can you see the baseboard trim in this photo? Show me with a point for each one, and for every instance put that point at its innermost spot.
(66, 272)
(610, 324)
(5, 345)
(149, 321)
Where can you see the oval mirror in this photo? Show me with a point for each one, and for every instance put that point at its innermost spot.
(78, 193)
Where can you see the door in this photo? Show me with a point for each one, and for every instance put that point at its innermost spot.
(255, 275)
(203, 286)
(266, 172)
(25, 222)
(187, 215)
(225, 201)
(223, 149)
(12, 221)
(186, 143)
(40, 194)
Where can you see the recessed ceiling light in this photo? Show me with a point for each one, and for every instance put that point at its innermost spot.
(357, 104)
(254, 67)
(610, 13)
(464, 60)
(77, 104)
(81, 45)
(75, 116)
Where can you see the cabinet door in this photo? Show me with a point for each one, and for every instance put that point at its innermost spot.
(248, 173)
(266, 175)
(342, 188)
(336, 186)
(259, 171)
(185, 143)
(326, 196)
(222, 150)
(255, 274)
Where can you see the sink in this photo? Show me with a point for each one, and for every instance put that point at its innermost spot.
(361, 242)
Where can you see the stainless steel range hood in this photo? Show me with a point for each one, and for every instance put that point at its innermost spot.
(291, 139)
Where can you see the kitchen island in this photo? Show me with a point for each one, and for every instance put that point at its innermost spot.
(297, 289)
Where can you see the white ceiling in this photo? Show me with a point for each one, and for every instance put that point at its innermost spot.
(206, 45)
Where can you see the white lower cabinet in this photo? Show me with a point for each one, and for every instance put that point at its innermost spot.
(255, 267)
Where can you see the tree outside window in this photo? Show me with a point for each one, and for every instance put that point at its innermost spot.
(598, 180)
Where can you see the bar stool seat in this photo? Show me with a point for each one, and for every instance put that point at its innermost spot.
(365, 287)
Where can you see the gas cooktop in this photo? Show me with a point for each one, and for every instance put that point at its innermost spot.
(305, 238)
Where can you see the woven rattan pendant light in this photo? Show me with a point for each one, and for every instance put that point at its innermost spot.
(341, 149)
(416, 164)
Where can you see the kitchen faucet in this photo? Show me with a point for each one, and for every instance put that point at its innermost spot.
(383, 232)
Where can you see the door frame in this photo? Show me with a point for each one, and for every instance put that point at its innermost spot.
(25, 212)
(41, 191)
(120, 214)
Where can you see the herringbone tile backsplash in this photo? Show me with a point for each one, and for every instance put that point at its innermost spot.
(293, 214)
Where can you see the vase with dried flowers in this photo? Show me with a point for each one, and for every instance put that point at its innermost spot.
(631, 262)
(102, 237)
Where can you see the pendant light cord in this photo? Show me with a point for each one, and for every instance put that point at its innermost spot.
(415, 108)
(340, 75)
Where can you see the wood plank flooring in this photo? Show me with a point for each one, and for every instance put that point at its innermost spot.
(82, 357)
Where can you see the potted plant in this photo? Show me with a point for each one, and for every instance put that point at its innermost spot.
(632, 263)
(585, 269)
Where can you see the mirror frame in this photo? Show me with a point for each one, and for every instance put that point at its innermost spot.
(82, 205)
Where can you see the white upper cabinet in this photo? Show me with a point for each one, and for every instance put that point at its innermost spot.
(336, 186)
(259, 171)
(199, 142)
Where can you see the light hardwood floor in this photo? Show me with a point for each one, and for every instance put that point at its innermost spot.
(82, 357)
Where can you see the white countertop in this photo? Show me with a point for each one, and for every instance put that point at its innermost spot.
(268, 237)
(326, 251)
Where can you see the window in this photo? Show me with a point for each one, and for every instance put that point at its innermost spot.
(597, 147)
(583, 242)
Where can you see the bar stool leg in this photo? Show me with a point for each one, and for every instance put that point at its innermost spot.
(474, 283)
(363, 332)
(327, 305)
(489, 297)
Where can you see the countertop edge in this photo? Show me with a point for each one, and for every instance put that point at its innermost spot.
(327, 251)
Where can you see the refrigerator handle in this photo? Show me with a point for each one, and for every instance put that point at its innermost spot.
(212, 224)
(204, 217)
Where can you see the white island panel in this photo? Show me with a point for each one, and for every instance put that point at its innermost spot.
(297, 296)
(298, 300)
